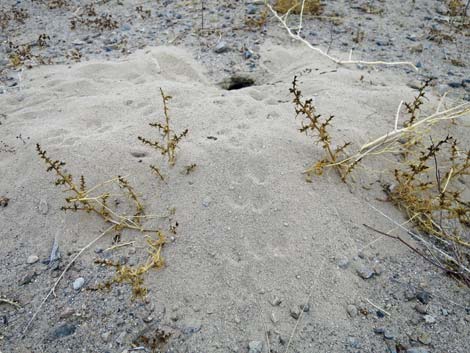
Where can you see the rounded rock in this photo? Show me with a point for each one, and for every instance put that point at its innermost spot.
(78, 283)
(32, 259)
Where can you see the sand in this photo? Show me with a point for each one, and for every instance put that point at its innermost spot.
(250, 227)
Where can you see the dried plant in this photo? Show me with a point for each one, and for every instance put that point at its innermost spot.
(189, 168)
(88, 17)
(170, 139)
(90, 200)
(143, 13)
(57, 4)
(427, 190)
(311, 7)
(256, 22)
(456, 7)
(133, 275)
(318, 127)
(414, 107)
(42, 40)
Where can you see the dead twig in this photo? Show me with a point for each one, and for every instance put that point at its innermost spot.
(349, 61)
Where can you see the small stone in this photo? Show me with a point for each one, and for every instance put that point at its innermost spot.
(343, 263)
(148, 319)
(274, 318)
(32, 259)
(305, 307)
(276, 301)
(352, 310)
(365, 272)
(295, 312)
(421, 308)
(424, 338)
(251, 9)
(63, 331)
(389, 334)
(354, 342)
(106, 336)
(206, 201)
(221, 47)
(43, 207)
(379, 330)
(424, 297)
(429, 319)
(378, 269)
(66, 313)
(78, 283)
(417, 350)
(27, 278)
(255, 347)
(409, 294)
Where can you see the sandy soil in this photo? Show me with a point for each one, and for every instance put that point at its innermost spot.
(255, 241)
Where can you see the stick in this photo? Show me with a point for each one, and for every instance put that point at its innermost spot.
(378, 308)
(11, 302)
(62, 275)
(320, 51)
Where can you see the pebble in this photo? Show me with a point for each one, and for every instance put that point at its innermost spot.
(424, 297)
(295, 312)
(276, 301)
(343, 263)
(365, 272)
(106, 336)
(206, 201)
(255, 347)
(78, 283)
(251, 9)
(354, 342)
(389, 334)
(378, 269)
(421, 308)
(379, 330)
(417, 350)
(352, 310)
(274, 318)
(409, 294)
(43, 207)
(305, 307)
(429, 319)
(221, 47)
(424, 338)
(66, 313)
(63, 331)
(32, 259)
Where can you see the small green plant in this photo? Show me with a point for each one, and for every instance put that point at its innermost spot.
(170, 139)
(318, 127)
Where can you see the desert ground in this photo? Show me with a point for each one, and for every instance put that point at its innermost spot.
(256, 256)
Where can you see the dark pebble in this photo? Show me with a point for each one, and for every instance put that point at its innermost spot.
(63, 331)
(424, 297)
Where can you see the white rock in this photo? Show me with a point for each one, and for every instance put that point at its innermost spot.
(78, 283)
(32, 259)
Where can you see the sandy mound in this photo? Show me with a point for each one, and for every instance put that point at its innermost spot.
(251, 229)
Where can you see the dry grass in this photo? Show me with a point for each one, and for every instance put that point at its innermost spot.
(311, 7)
(428, 182)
